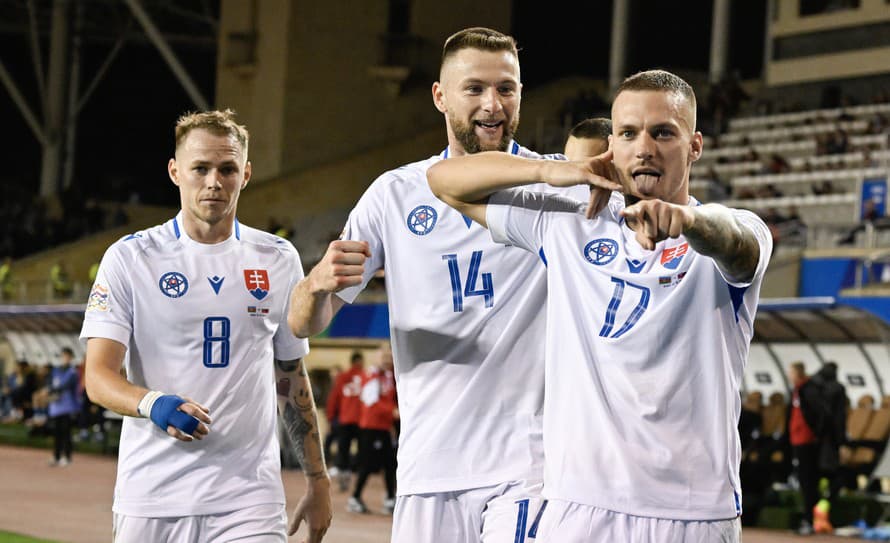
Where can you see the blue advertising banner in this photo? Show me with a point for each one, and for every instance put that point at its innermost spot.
(873, 202)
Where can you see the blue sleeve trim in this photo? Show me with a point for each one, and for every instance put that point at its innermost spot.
(542, 255)
(736, 294)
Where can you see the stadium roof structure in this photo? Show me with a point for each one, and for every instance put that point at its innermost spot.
(822, 319)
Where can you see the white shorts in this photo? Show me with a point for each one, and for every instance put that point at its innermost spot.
(266, 523)
(505, 513)
(567, 522)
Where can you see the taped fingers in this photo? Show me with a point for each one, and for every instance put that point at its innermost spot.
(165, 412)
(183, 421)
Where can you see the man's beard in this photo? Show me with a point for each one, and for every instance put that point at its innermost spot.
(466, 135)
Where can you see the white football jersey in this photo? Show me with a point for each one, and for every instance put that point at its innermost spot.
(203, 321)
(645, 354)
(467, 322)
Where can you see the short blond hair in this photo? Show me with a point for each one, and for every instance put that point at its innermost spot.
(481, 38)
(218, 122)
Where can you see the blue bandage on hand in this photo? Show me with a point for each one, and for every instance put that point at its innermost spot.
(165, 412)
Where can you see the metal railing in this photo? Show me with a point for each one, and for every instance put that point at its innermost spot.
(39, 291)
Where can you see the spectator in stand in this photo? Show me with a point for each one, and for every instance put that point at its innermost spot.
(344, 405)
(824, 187)
(806, 416)
(375, 450)
(838, 143)
(769, 191)
(777, 164)
(871, 216)
(93, 272)
(6, 287)
(61, 283)
(64, 403)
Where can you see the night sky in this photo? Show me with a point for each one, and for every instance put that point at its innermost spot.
(125, 130)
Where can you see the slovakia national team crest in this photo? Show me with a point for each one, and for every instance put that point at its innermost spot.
(257, 283)
(422, 220)
(601, 251)
(670, 258)
(173, 284)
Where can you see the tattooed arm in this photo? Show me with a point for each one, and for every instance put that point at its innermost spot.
(297, 408)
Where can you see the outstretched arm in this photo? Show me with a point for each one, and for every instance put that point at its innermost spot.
(313, 303)
(297, 408)
(466, 182)
(711, 230)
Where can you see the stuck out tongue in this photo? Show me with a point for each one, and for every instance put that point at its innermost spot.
(646, 183)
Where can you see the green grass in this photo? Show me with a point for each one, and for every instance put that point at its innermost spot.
(8, 537)
(17, 434)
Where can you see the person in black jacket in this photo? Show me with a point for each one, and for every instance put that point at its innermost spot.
(834, 434)
(806, 417)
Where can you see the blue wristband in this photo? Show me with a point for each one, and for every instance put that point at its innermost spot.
(165, 413)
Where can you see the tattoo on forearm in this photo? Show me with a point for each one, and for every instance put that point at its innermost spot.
(300, 418)
(725, 241)
(309, 453)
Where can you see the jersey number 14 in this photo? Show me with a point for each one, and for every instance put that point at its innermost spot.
(473, 275)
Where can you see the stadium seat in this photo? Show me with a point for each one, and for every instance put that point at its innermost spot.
(859, 418)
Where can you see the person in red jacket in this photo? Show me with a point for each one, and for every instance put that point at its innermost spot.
(343, 410)
(806, 416)
(379, 409)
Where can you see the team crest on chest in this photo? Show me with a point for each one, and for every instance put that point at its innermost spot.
(173, 285)
(257, 283)
(671, 257)
(422, 220)
(601, 251)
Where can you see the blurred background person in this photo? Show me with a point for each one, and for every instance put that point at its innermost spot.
(379, 409)
(64, 383)
(344, 406)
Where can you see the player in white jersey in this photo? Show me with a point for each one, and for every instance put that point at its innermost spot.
(650, 315)
(198, 307)
(588, 138)
(465, 318)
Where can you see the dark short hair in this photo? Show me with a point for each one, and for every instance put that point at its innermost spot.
(478, 37)
(593, 128)
(356, 355)
(68, 351)
(658, 80)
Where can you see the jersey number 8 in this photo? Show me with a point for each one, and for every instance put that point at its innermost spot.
(216, 333)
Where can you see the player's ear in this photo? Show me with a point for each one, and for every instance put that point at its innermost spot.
(173, 171)
(696, 146)
(247, 172)
(439, 97)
